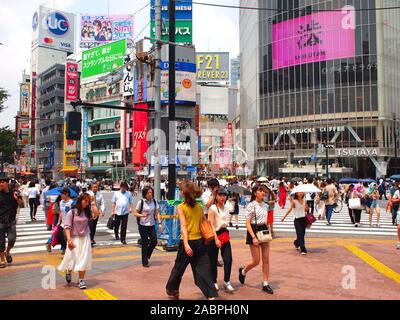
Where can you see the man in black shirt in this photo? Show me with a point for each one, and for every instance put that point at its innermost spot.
(10, 200)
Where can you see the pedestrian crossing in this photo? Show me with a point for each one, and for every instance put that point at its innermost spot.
(340, 224)
(33, 236)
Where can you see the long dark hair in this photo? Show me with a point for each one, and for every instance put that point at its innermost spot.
(78, 205)
(254, 191)
(190, 192)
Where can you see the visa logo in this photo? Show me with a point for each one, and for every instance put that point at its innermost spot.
(66, 45)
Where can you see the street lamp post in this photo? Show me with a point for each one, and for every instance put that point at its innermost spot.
(2, 162)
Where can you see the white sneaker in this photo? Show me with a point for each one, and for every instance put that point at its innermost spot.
(216, 286)
(82, 284)
(228, 287)
(398, 246)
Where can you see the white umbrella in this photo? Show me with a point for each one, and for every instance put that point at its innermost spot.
(262, 179)
(306, 188)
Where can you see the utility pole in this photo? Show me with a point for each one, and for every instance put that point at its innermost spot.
(157, 102)
(171, 104)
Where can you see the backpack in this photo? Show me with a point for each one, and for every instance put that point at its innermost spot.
(324, 196)
(141, 209)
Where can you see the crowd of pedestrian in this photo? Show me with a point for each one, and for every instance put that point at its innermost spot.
(72, 210)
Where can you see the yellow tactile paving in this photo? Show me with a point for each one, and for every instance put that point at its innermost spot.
(374, 263)
(99, 294)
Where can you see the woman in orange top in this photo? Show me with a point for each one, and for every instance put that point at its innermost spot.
(191, 248)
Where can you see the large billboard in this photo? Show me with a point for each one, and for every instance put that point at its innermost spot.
(105, 28)
(185, 82)
(212, 66)
(315, 37)
(53, 29)
(104, 59)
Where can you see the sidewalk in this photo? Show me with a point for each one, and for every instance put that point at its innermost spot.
(118, 274)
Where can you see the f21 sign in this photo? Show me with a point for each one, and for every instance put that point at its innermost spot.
(320, 36)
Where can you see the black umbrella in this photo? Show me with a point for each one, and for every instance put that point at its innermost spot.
(239, 190)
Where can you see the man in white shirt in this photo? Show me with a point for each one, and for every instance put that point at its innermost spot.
(98, 197)
(121, 208)
(208, 197)
(163, 189)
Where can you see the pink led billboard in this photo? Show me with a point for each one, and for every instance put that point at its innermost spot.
(316, 37)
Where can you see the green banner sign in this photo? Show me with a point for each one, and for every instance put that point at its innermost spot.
(184, 31)
(103, 59)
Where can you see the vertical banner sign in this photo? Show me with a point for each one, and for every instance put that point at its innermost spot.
(128, 77)
(33, 113)
(71, 81)
(24, 99)
(140, 130)
(52, 155)
(85, 136)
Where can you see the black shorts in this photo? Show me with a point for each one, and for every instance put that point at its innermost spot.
(249, 239)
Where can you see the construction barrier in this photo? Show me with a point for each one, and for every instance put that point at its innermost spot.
(171, 232)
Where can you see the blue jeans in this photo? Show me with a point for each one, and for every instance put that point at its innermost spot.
(54, 224)
(329, 211)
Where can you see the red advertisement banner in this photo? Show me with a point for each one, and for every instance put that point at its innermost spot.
(71, 81)
(140, 130)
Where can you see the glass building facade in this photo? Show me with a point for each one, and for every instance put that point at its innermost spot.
(311, 93)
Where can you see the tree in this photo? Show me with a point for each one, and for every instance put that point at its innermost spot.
(8, 144)
(3, 98)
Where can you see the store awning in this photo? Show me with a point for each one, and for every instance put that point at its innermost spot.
(98, 169)
(69, 170)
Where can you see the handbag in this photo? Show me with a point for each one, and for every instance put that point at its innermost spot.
(111, 223)
(206, 229)
(310, 219)
(262, 236)
(54, 241)
(355, 204)
(224, 237)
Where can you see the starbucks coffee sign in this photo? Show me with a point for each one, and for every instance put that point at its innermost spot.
(357, 152)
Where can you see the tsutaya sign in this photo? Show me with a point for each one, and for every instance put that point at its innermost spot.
(312, 130)
(357, 152)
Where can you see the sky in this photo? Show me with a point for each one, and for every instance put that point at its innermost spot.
(214, 29)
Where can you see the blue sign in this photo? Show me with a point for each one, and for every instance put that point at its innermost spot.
(183, 10)
(180, 66)
(52, 155)
(85, 136)
(57, 24)
(35, 21)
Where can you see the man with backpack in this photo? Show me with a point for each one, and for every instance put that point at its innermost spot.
(146, 214)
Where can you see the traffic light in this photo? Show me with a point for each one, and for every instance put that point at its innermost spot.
(74, 125)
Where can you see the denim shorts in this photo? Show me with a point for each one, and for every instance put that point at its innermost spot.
(374, 204)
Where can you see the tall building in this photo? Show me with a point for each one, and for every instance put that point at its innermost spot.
(312, 77)
(50, 106)
(235, 72)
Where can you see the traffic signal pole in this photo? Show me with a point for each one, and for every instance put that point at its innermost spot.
(171, 104)
(157, 102)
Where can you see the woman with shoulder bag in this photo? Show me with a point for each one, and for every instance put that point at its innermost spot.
(192, 249)
(298, 204)
(235, 200)
(256, 224)
(348, 194)
(218, 216)
(78, 257)
(358, 193)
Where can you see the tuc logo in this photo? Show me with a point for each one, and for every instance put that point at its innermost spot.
(57, 24)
